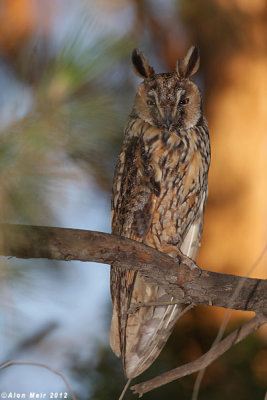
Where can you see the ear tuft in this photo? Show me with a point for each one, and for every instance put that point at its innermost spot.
(190, 64)
(141, 65)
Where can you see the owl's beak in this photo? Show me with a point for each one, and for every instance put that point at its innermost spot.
(168, 117)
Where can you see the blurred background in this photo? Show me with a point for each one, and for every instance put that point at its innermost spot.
(67, 86)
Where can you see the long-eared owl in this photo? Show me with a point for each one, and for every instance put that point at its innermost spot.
(159, 195)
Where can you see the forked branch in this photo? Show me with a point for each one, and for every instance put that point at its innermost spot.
(180, 277)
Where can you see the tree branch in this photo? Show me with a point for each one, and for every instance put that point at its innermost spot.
(180, 277)
(205, 360)
(41, 365)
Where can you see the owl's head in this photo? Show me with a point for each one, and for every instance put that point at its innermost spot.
(169, 101)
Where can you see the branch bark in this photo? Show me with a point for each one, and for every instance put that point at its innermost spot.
(180, 277)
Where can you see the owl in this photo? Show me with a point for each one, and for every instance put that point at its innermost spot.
(159, 194)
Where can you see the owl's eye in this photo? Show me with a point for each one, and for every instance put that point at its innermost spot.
(150, 102)
(184, 101)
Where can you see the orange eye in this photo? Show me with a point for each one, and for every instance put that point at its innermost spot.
(150, 103)
(185, 101)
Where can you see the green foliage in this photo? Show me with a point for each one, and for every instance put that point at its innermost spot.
(74, 118)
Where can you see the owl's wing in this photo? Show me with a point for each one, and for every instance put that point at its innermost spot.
(192, 238)
(132, 212)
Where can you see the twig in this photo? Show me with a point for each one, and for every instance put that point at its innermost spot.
(125, 389)
(187, 369)
(225, 322)
(41, 365)
(187, 308)
(135, 306)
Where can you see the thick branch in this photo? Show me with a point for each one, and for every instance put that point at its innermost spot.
(202, 362)
(181, 277)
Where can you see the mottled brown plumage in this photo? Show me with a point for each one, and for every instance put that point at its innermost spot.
(159, 194)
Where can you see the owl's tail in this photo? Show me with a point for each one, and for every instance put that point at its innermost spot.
(139, 337)
(149, 328)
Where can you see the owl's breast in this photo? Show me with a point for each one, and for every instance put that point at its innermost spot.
(177, 169)
(165, 150)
